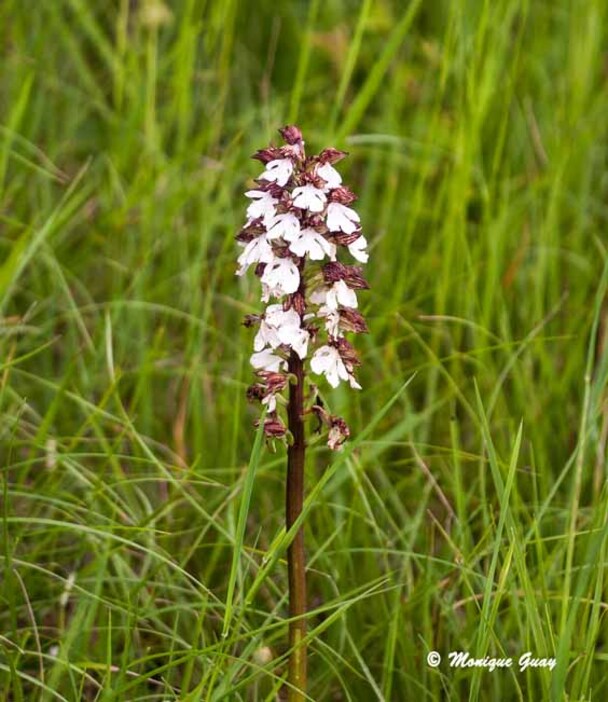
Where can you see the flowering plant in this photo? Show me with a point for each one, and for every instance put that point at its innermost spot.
(298, 220)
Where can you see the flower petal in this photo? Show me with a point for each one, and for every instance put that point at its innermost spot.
(286, 226)
(326, 361)
(345, 295)
(266, 360)
(341, 218)
(313, 244)
(321, 360)
(357, 249)
(258, 250)
(271, 402)
(353, 383)
(297, 339)
(330, 175)
(332, 320)
(281, 276)
(262, 206)
(318, 296)
(277, 317)
(278, 171)
(307, 197)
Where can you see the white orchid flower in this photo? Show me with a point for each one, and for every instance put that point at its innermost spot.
(296, 338)
(258, 250)
(326, 361)
(358, 249)
(278, 171)
(335, 295)
(341, 218)
(271, 402)
(330, 175)
(315, 245)
(307, 197)
(331, 319)
(281, 276)
(286, 226)
(281, 326)
(268, 361)
(263, 206)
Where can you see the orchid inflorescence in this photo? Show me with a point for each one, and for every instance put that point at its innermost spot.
(298, 219)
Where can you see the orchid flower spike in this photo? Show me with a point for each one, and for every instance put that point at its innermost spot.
(299, 224)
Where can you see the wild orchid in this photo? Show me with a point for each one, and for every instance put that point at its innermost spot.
(298, 221)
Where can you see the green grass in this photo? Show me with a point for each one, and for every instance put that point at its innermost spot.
(142, 547)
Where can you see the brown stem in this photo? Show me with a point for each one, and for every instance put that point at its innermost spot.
(296, 565)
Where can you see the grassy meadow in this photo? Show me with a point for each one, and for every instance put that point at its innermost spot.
(469, 511)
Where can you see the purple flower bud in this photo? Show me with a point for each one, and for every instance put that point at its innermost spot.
(297, 301)
(250, 232)
(347, 353)
(275, 382)
(331, 155)
(351, 275)
(345, 239)
(352, 320)
(342, 195)
(257, 391)
(291, 134)
(271, 153)
(313, 179)
(270, 187)
(274, 427)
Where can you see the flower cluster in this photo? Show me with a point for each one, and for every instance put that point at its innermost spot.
(298, 219)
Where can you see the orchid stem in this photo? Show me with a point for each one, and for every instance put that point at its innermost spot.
(296, 563)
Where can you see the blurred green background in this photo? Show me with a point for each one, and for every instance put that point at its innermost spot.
(469, 512)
